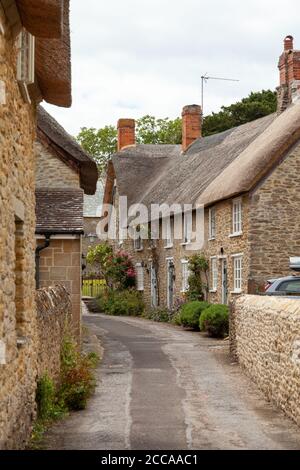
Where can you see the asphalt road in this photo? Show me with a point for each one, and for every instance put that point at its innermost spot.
(160, 387)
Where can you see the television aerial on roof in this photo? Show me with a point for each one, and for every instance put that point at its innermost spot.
(204, 79)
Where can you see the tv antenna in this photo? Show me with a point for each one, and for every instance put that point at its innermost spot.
(204, 79)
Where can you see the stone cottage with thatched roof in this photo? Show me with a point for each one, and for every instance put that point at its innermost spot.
(246, 179)
(34, 65)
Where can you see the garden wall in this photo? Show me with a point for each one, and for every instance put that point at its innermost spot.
(54, 312)
(265, 339)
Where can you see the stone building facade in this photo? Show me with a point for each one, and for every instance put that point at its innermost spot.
(19, 93)
(64, 174)
(245, 180)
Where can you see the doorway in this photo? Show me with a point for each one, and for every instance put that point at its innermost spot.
(170, 283)
(224, 282)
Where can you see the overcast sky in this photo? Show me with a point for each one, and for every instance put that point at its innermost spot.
(137, 57)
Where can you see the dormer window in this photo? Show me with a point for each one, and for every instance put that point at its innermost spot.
(25, 61)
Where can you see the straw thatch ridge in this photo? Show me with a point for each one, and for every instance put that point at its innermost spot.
(42, 18)
(53, 65)
(213, 168)
(68, 149)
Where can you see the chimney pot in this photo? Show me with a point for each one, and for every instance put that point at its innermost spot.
(288, 43)
(191, 124)
(126, 133)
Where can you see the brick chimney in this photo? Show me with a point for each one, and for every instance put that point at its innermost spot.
(126, 133)
(289, 69)
(191, 124)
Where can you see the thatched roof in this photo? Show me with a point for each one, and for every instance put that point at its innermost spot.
(59, 211)
(212, 168)
(52, 134)
(48, 21)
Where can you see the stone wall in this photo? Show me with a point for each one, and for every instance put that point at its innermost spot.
(265, 338)
(60, 263)
(53, 320)
(274, 233)
(52, 172)
(17, 247)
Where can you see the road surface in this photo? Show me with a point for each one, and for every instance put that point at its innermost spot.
(160, 387)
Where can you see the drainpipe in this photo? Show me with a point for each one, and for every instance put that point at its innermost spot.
(37, 258)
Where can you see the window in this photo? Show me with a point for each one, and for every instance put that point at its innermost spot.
(169, 237)
(214, 274)
(185, 275)
(19, 273)
(139, 276)
(25, 61)
(138, 243)
(212, 223)
(292, 286)
(236, 216)
(187, 227)
(237, 273)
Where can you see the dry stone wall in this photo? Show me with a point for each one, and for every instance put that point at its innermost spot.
(265, 338)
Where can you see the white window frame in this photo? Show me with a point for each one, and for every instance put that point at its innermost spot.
(169, 235)
(187, 229)
(211, 219)
(185, 273)
(25, 62)
(214, 273)
(139, 277)
(237, 217)
(237, 273)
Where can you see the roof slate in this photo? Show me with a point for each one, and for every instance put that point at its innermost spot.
(59, 211)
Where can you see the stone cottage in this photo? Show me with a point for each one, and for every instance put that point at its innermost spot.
(34, 65)
(247, 182)
(64, 174)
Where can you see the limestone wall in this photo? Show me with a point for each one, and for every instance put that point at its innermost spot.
(53, 319)
(265, 338)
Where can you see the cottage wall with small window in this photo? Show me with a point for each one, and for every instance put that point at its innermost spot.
(17, 245)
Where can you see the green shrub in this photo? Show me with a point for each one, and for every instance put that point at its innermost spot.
(189, 313)
(47, 406)
(215, 320)
(127, 302)
(77, 382)
(158, 314)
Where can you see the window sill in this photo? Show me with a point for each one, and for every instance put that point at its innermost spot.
(213, 291)
(183, 291)
(185, 243)
(237, 234)
(22, 341)
(212, 239)
(140, 290)
(168, 247)
(236, 291)
(137, 250)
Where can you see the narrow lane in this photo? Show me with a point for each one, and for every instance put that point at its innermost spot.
(164, 388)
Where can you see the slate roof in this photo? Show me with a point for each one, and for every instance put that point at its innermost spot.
(212, 168)
(68, 149)
(59, 211)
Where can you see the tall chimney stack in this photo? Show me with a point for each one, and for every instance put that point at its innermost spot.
(126, 133)
(289, 69)
(191, 124)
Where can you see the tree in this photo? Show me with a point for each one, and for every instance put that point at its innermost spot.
(102, 143)
(255, 106)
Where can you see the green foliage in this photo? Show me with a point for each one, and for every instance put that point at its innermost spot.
(126, 302)
(190, 313)
(77, 381)
(198, 266)
(254, 106)
(100, 144)
(115, 267)
(47, 406)
(150, 130)
(215, 320)
(162, 315)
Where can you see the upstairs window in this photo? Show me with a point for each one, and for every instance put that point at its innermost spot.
(169, 234)
(212, 223)
(236, 216)
(25, 61)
